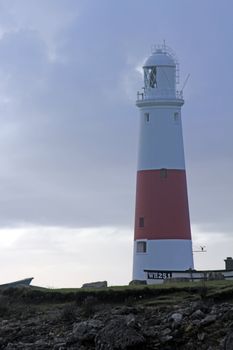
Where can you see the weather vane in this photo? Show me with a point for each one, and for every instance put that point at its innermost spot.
(201, 250)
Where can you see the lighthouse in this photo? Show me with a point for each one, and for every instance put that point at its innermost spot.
(162, 235)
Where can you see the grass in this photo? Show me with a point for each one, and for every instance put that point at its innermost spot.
(169, 293)
(215, 284)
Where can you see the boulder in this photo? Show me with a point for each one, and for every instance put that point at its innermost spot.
(137, 282)
(208, 320)
(228, 344)
(99, 284)
(176, 317)
(86, 330)
(198, 314)
(228, 315)
(117, 335)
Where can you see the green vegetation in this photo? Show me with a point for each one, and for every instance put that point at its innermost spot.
(167, 293)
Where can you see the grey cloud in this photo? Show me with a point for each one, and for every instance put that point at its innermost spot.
(62, 157)
(69, 127)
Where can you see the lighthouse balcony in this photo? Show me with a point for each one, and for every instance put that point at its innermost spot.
(160, 98)
(159, 94)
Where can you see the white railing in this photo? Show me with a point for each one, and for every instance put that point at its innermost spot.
(163, 94)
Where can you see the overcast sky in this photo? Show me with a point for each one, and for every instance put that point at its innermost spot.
(69, 74)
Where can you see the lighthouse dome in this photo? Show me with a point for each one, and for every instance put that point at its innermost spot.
(160, 75)
(159, 58)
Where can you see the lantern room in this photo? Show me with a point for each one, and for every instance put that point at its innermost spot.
(160, 74)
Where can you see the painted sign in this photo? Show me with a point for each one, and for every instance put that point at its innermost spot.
(159, 275)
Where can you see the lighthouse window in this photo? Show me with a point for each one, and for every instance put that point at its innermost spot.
(147, 117)
(141, 222)
(150, 77)
(163, 173)
(176, 117)
(153, 77)
(141, 247)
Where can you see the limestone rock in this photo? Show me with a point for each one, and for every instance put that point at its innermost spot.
(86, 330)
(198, 325)
(137, 282)
(117, 335)
(228, 344)
(198, 314)
(176, 317)
(99, 284)
(208, 320)
(201, 336)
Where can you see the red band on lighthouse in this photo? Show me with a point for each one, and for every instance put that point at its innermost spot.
(162, 205)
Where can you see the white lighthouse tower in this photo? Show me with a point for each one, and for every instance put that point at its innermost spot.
(162, 238)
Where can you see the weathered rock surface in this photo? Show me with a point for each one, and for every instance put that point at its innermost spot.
(187, 325)
(127, 335)
(137, 282)
(229, 342)
(99, 284)
(87, 330)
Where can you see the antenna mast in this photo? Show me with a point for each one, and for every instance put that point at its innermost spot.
(185, 82)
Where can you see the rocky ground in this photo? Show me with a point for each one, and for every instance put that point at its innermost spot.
(164, 322)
